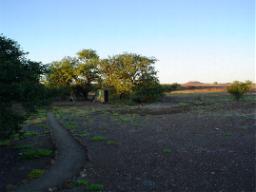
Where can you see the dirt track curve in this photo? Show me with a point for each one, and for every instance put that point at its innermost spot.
(70, 158)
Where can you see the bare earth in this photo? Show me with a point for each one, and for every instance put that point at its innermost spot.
(199, 143)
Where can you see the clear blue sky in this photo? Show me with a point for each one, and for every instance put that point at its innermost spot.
(204, 40)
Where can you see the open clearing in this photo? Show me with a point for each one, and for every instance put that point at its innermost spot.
(187, 142)
(197, 143)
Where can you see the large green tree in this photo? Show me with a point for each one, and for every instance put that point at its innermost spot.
(19, 85)
(62, 73)
(127, 72)
(88, 75)
(79, 74)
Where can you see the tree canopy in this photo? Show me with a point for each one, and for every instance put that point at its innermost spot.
(76, 74)
(125, 71)
(122, 73)
(237, 89)
(19, 85)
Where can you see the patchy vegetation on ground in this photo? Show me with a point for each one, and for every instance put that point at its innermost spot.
(26, 155)
(187, 142)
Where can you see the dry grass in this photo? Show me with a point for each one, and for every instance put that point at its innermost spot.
(206, 90)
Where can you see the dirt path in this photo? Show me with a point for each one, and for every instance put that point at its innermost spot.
(71, 156)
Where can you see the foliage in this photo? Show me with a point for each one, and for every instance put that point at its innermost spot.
(35, 173)
(112, 142)
(167, 151)
(97, 138)
(238, 89)
(94, 187)
(171, 87)
(5, 142)
(77, 75)
(81, 182)
(123, 72)
(62, 73)
(148, 89)
(89, 186)
(20, 86)
(87, 71)
(31, 153)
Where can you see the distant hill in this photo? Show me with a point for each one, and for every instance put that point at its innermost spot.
(194, 83)
(200, 84)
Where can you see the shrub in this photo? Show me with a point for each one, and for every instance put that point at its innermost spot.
(171, 87)
(97, 138)
(238, 89)
(20, 88)
(30, 153)
(148, 90)
(35, 173)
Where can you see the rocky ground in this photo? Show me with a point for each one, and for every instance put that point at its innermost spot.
(195, 142)
(206, 144)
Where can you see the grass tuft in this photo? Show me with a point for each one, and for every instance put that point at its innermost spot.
(89, 186)
(35, 173)
(94, 187)
(29, 134)
(167, 151)
(5, 142)
(112, 142)
(30, 153)
(97, 138)
(81, 182)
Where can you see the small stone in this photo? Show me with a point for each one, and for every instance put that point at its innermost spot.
(83, 175)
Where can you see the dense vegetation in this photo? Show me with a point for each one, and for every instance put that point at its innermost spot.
(75, 75)
(20, 88)
(171, 87)
(126, 75)
(238, 89)
(24, 84)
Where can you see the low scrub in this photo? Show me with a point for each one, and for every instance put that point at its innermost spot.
(148, 90)
(171, 87)
(31, 153)
(238, 89)
(35, 173)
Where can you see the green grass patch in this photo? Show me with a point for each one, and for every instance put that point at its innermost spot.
(89, 186)
(22, 146)
(83, 133)
(35, 120)
(94, 187)
(29, 134)
(46, 133)
(112, 142)
(43, 125)
(167, 151)
(70, 125)
(98, 138)
(124, 119)
(35, 173)
(31, 153)
(81, 182)
(5, 142)
(227, 134)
